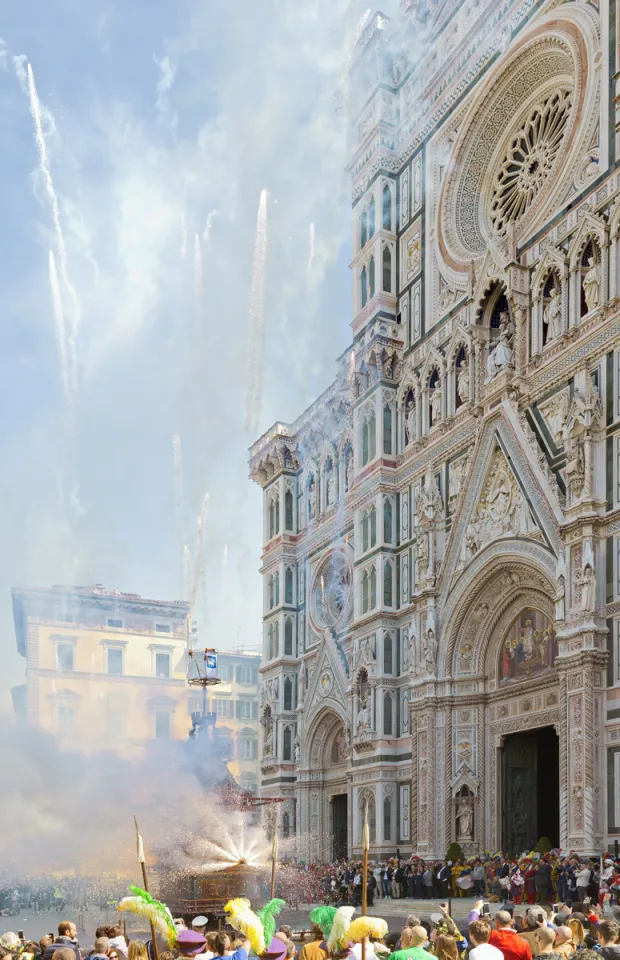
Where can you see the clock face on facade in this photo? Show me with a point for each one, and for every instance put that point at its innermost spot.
(331, 590)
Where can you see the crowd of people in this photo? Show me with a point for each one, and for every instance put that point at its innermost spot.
(530, 879)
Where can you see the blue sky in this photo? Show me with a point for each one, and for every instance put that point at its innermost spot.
(156, 115)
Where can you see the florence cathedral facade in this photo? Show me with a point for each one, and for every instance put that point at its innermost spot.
(441, 557)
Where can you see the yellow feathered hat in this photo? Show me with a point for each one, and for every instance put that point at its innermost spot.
(367, 927)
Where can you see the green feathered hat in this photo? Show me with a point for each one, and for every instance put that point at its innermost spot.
(324, 918)
(267, 916)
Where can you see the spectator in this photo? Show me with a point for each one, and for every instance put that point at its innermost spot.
(513, 946)
(578, 934)
(542, 881)
(101, 948)
(564, 943)
(582, 879)
(413, 941)
(608, 934)
(478, 875)
(66, 939)
(445, 948)
(317, 948)
(545, 939)
(535, 920)
(137, 950)
(223, 948)
(479, 933)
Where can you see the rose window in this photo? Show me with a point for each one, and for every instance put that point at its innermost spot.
(330, 594)
(529, 160)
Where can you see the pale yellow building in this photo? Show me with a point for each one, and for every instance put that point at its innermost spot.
(102, 667)
(235, 704)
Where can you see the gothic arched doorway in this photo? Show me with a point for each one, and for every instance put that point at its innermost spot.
(329, 811)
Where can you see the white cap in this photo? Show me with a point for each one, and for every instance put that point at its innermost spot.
(199, 922)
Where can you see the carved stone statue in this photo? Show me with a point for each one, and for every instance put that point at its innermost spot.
(430, 650)
(465, 818)
(349, 472)
(363, 714)
(296, 750)
(435, 403)
(411, 425)
(462, 382)
(560, 593)
(587, 590)
(331, 489)
(575, 463)
(311, 502)
(423, 555)
(457, 471)
(268, 741)
(303, 679)
(501, 355)
(592, 284)
(552, 315)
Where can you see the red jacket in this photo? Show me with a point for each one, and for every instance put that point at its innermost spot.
(511, 944)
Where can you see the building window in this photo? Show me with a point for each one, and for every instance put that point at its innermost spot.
(386, 265)
(364, 285)
(225, 671)
(115, 661)
(116, 624)
(222, 708)
(162, 665)
(162, 725)
(387, 521)
(372, 436)
(65, 720)
(288, 585)
(288, 694)
(387, 653)
(387, 819)
(387, 208)
(286, 826)
(371, 277)
(287, 746)
(365, 592)
(244, 709)
(288, 510)
(387, 584)
(387, 715)
(163, 628)
(64, 657)
(248, 749)
(364, 229)
(373, 587)
(387, 429)
(365, 532)
(371, 218)
(276, 582)
(373, 526)
(288, 637)
(245, 675)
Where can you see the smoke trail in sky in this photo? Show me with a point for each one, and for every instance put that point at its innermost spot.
(187, 560)
(343, 83)
(199, 559)
(257, 319)
(61, 332)
(311, 256)
(198, 273)
(35, 110)
(177, 479)
(183, 236)
(207, 230)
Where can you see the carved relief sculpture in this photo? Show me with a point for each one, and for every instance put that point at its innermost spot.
(552, 315)
(501, 354)
(592, 284)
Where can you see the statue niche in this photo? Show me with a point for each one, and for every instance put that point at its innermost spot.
(464, 814)
(529, 649)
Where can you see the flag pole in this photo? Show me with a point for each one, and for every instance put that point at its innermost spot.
(274, 859)
(142, 862)
(365, 846)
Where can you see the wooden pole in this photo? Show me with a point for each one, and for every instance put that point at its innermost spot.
(365, 846)
(274, 861)
(145, 883)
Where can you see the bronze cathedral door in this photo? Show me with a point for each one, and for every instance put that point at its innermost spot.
(530, 790)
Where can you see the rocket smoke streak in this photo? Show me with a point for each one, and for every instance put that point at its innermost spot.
(59, 324)
(177, 479)
(199, 559)
(35, 110)
(257, 320)
(311, 256)
(198, 274)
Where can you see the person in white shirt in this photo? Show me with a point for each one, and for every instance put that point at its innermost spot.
(479, 933)
(582, 877)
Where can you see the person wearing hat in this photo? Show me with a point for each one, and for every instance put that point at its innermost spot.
(190, 943)
(199, 924)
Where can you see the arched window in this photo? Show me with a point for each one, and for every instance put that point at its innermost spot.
(364, 284)
(372, 436)
(271, 592)
(286, 826)
(387, 208)
(434, 391)
(272, 518)
(387, 819)
(288, 510)
(288, 637)
(461, 393)
(365, 445)
(288, 694)
(365, 592)
(336, 754)
(387, 715)
(330, 483)
(276, 582)
(373, 587)
(371, 218)
(501, 306)
(590, 278)
(276, 639)
(387, 653)
(387, 521)
(387, 429)
(365, 537)
(270, 642)
(287, 745)
(364, 229)
(373, 526)
(371, 277)
(288, 585)
(276, 503)
(387, 584)
(386, 266)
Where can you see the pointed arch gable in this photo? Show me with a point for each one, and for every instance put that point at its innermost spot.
(460, 338)
(592, 227)
(506, 436)
(552, 259)
(492, 272)
(434, 361)
(409, 381)
(327, 717)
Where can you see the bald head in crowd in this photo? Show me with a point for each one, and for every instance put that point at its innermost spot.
(502, 919)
